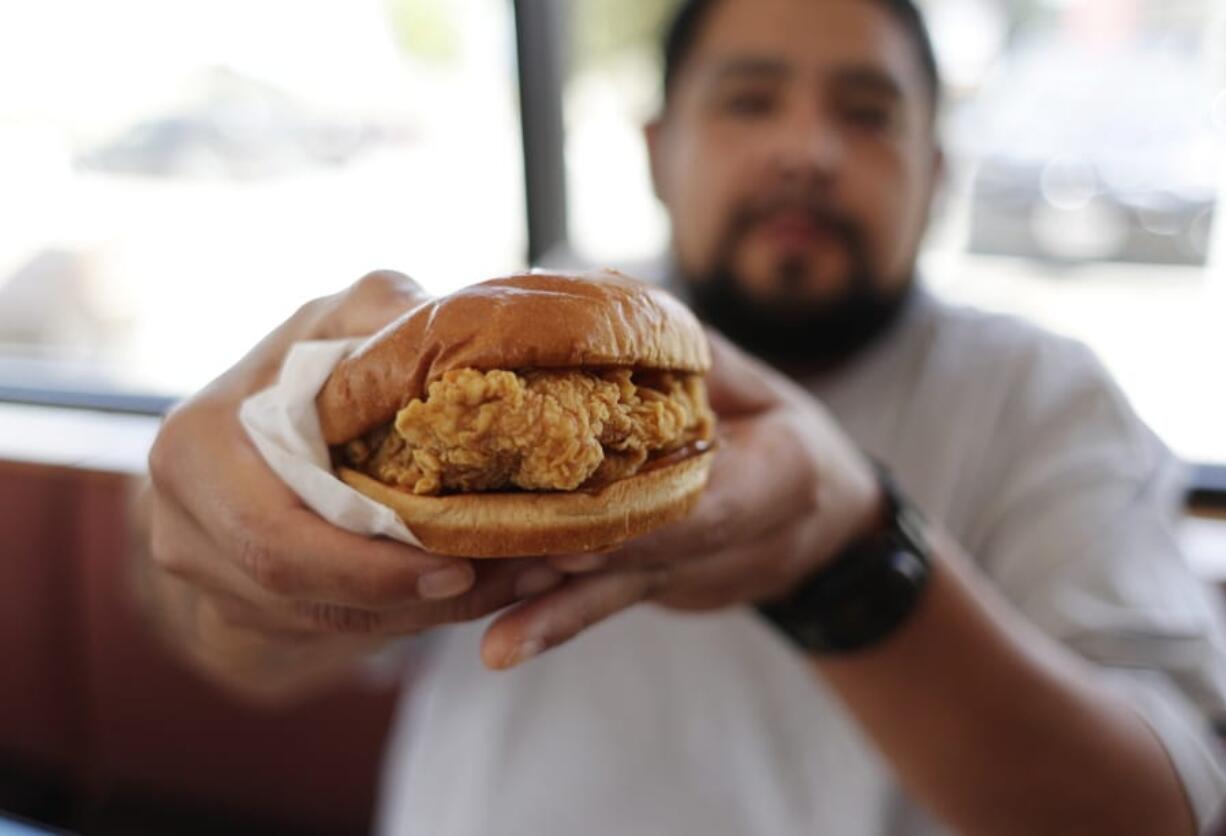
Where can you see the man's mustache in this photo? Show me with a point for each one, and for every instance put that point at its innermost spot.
(818, 212)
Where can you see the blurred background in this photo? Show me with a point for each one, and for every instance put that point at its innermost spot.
(177, 177)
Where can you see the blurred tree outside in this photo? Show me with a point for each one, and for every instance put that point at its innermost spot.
(605, 30)
(426, 29)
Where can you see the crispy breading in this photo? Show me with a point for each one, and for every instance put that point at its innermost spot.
(537, 430)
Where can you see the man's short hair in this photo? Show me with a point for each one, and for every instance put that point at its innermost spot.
(683, 32)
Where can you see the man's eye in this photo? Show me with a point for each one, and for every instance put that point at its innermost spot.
(868, 117)
(748, 104)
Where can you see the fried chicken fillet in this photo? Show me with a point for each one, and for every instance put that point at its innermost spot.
(539, 431)
(534, 414)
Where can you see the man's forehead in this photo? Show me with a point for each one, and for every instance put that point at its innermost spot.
(800, 38)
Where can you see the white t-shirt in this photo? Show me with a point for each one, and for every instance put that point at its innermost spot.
(701, 725)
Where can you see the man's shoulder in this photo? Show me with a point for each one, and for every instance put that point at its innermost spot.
(977, 344)
(999, 411)
(1010, 374)
(1051, 388)
(994, 335)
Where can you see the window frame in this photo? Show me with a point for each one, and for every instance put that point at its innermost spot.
(541, 28)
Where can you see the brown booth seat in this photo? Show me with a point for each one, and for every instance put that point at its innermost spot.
(100, 732)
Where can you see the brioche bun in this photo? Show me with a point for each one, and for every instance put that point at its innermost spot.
(534, 320)
(528, 523)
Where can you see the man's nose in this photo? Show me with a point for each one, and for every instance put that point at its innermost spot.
(807, 145)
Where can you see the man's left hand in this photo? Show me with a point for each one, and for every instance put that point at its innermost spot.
(787, 491)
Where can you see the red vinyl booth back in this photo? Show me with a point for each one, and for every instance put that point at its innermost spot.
(100, 731)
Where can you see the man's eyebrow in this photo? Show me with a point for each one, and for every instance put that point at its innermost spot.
(867, 78)
(746, 67)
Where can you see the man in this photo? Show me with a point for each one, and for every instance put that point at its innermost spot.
(1034, 658)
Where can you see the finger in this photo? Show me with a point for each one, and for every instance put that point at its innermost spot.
(298, 555)
(550, 620)
(579, 564)
(244, 604)
(737, 383)
(372, 302)
(180, 548)
(183, 550)
(288, 550)
(217, 630)
(748, 494)
(499, 584)
(742, 574)
(270, 622)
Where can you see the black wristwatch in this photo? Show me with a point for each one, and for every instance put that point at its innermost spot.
(866, 592)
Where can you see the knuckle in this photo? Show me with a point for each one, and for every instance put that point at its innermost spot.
(571, 624)
(804, 472)
(338, 619)
(656, 582)
(721, 531)
(369, 304)
(164, 452)
(587, 611)
(167, 551)
(382, 589)
(470, 608)
(231, 612)
(797, 553)
(808, 493)
(173, 560)
(161, 544)
(262, 564)
(378, 283)
(311, 312)
(313, 307)
(159, 461)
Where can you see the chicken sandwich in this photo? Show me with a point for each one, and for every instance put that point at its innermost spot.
(533, 414)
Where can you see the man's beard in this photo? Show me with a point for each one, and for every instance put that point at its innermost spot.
(789, 329)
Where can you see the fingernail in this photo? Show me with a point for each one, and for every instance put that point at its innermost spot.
(536, 580)
(443, 583)
(525, 651)
(582, 562)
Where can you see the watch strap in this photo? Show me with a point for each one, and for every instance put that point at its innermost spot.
(866, 592)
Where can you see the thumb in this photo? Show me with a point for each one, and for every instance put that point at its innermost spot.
(373, 302)
(738, 384)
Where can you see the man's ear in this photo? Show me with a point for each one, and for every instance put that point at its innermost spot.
(937, 182)
(940, 166)
(653, 134)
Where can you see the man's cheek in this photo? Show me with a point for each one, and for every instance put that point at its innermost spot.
(698, 238)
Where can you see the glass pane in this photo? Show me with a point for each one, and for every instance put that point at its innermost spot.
(178, 177)
(1087, 145)
(611, 91)
(1087, 139)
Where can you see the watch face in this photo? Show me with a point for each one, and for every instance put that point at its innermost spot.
(912, 526)
(865, 593)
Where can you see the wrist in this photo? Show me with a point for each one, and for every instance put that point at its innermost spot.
(864, 510)
(874, 508)
(868, 589)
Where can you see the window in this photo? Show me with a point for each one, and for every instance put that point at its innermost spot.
(178, 177)
(611, 91)
(195, 170)
(1087, 141)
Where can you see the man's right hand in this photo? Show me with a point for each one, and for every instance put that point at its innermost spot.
(254, 588)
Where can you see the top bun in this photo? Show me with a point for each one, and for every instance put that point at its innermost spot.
(534, 320)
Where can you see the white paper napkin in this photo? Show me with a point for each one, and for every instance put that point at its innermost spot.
(284, 426)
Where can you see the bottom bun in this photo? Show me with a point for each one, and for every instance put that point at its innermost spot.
(530, 524)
